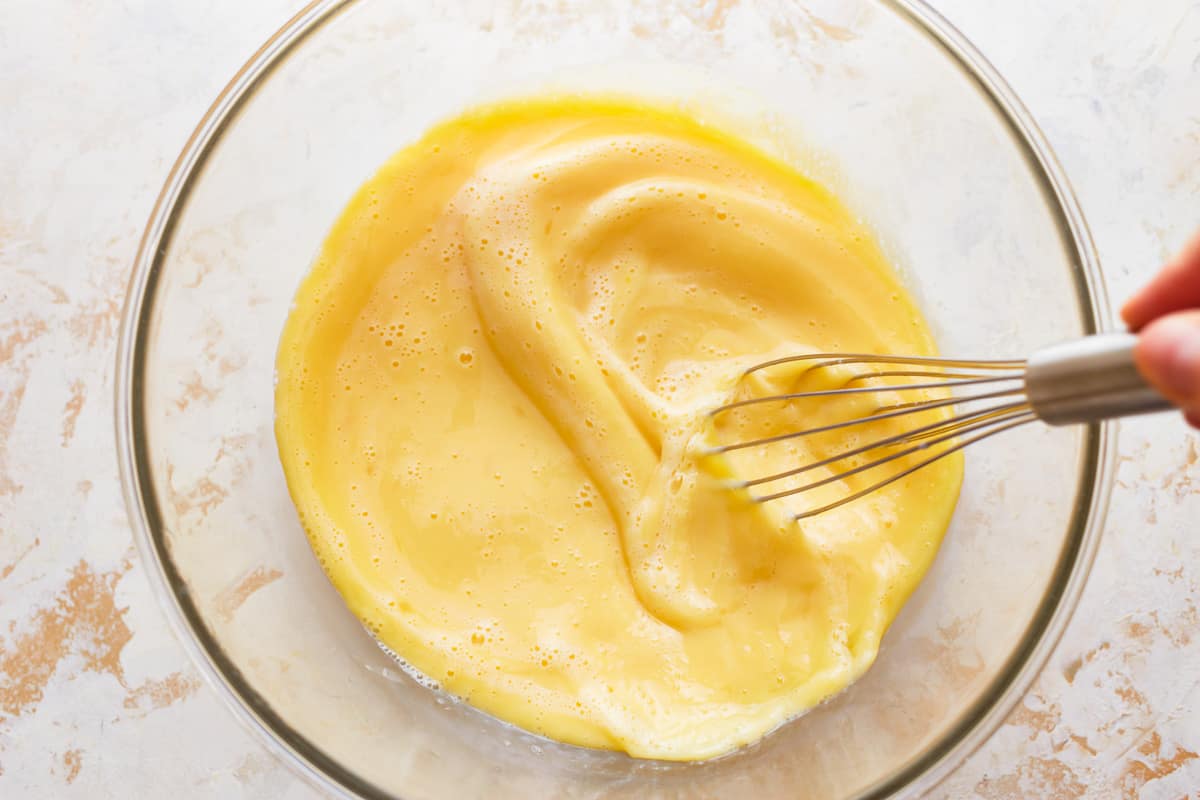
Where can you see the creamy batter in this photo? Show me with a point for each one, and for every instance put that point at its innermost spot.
(490, 412)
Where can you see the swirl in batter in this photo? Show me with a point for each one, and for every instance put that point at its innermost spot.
(491, 394)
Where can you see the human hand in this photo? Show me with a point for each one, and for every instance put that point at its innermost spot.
(1166, 316)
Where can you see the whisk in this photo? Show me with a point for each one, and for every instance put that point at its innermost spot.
(1081, 381)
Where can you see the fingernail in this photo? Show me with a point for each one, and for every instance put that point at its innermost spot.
(1171, 353)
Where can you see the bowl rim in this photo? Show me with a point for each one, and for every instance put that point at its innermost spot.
(974, 726)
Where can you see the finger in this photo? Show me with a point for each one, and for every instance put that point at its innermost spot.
(1175, 288)
(1168, 356)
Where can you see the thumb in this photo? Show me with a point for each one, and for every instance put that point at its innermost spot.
(1168, 356)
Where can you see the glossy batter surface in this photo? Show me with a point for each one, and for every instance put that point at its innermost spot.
(490, 411)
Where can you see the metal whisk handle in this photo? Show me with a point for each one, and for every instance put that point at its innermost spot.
(1088, 380)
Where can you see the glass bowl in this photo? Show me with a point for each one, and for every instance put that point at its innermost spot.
(881, 100)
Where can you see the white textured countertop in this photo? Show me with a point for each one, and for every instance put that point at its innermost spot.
(96, 697)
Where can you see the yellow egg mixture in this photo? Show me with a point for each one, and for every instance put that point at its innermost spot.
(491, 414)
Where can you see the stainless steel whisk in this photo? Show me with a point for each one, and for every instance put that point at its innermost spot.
(1086, 380)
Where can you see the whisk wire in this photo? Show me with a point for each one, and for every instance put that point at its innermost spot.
(812, 512)
(832, 360)
(913, 409)
(960, 422)
(777, 398)
(887, 459)
(924, 374)
(954, 424)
